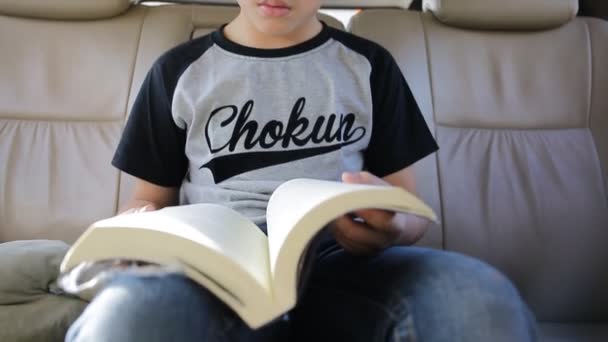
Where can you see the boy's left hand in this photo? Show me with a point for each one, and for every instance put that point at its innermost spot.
(369, 231)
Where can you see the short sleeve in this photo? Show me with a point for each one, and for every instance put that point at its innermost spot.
(152, 146)
(400, 135)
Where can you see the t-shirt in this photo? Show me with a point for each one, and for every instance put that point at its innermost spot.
(229, 123)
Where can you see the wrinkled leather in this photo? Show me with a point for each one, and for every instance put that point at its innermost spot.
(64, 9)
(503, 14)
(521, 177)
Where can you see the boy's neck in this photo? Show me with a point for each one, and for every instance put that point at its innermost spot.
(242, 32)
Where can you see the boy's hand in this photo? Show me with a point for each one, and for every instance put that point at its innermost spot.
(149, 197)
(372, 230)
(139, 207)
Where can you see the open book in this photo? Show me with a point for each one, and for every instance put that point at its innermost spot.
(258, 276)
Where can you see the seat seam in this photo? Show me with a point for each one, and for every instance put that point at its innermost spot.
(538, 129)
(134, 62)
(126, 109)
(192, 24)
(589, 72)
(435, 129)
(589, 105)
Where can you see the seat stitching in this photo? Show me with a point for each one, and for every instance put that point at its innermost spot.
(126, 109)
(435, 128)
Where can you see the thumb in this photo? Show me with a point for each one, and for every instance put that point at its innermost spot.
(351, 177)
(147, 207)
(363, 177)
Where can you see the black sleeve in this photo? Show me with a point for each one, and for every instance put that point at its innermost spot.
(400, 136)
(152, 146)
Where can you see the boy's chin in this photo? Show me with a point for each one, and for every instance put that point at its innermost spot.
(276, 28)
(284, 28)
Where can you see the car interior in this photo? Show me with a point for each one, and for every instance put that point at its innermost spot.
(515, 93)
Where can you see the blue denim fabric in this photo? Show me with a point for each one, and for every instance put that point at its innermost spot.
(402, 294)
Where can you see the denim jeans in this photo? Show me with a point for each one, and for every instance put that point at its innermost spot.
(401, 294)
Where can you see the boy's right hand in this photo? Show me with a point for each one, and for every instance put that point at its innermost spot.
(149, 197)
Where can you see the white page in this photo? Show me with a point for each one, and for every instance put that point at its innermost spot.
(308, 205)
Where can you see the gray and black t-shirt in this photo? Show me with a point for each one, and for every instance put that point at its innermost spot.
(229, 123)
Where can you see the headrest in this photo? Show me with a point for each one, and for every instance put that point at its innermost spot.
(64, 9)
(503, 14)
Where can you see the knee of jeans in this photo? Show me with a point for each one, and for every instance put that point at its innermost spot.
(132, 307)
(470, 283)
(472, 295)
(465, 273)
(141, 295)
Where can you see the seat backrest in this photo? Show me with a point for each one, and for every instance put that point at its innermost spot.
(515, 92)
(70, 72)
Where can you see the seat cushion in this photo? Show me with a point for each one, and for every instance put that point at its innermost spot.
(31, 309)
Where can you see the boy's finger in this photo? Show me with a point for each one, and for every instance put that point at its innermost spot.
(128, 211)
(378, 219)
(359, 233)
(362, 178)
(145, 208)
(355, 247)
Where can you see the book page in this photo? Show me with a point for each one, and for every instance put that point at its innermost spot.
(227, 232)
(215, 240)
(300, 208)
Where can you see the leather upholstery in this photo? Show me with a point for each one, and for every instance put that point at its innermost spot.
(64, 9)
(63, 99)
(502, 14)
(65, 92)
(521, 118)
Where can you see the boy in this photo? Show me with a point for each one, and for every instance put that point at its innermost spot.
(274, 95)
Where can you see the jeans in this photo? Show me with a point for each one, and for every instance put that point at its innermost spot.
(401, 294)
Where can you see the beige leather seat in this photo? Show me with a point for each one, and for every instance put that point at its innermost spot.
(69, 71)
(68, 75)
(516, 93)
